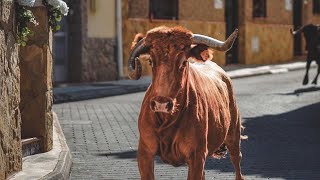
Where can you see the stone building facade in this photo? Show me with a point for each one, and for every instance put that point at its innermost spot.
(25, 90)
(204, 17)
(265, 39)
(91, 44)
(264, 26)
(264, 31)
(10, 116)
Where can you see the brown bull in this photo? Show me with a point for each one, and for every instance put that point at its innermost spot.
(189, 111)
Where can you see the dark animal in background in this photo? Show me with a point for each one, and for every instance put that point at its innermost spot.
(189, 111)
(312, 38)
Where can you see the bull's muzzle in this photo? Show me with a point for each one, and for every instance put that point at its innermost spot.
(162, 104)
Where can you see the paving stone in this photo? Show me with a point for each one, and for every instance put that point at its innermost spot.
(281, 119)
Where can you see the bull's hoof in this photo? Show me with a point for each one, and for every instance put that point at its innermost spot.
(305, 80)
(314, 82)
(221, 152)
(241, 177)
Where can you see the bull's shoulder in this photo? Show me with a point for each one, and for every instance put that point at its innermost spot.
(212, 80)
(209, 70)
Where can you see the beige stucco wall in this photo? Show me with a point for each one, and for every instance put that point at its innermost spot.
(102, 22)
(265, 40)
(260, 45)
(189, 10)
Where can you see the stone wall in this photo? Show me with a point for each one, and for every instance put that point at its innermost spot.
(99, 60)
(10, 118)
(36, 82)
(138, 9)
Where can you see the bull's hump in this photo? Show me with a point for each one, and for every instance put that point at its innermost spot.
(207, 68)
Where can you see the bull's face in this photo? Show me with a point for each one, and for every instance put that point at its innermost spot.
(169, 49)
(169, 69)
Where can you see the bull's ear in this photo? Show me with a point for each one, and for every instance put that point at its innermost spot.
(200, 52)
(136, 39)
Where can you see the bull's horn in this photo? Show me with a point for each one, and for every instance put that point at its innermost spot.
(297, 31)
(214, 43)
(134, 64)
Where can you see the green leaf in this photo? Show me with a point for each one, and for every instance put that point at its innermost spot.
(58, 27)
(58, 18)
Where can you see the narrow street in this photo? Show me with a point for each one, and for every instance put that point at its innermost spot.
(282, 120)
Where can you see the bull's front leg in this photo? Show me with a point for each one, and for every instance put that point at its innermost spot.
(145, 161)
(306, 76)
(316, 78)
(196, 166)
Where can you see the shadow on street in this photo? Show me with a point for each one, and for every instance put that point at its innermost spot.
(284, 145)
(299, 91)
(279, 146)
(121, 155)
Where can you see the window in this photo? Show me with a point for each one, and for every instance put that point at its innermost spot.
(259, 8)
(164, 9)
(316, 6)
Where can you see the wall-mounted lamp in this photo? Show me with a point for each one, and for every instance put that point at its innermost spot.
(92, 5)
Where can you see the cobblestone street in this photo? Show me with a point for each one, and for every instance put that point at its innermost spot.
(282, 120)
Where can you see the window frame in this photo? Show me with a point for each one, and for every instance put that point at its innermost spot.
(316, 9)
(262, 7)
(174, 14)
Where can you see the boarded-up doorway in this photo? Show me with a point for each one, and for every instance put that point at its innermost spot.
(231, 16)
(297, 23)
(60, 56)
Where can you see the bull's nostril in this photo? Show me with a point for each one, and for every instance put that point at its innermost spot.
(169, 106)
(153, 104)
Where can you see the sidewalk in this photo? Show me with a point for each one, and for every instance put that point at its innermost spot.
(67, 93)
(52, 165)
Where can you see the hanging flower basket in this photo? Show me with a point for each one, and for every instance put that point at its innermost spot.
(56, 9)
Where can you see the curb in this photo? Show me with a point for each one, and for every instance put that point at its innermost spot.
(96, 90)
(51, 165)
(271, 69)
(63, 167)
(92, 93)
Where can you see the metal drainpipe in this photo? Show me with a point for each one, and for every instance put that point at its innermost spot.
(119, 40)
